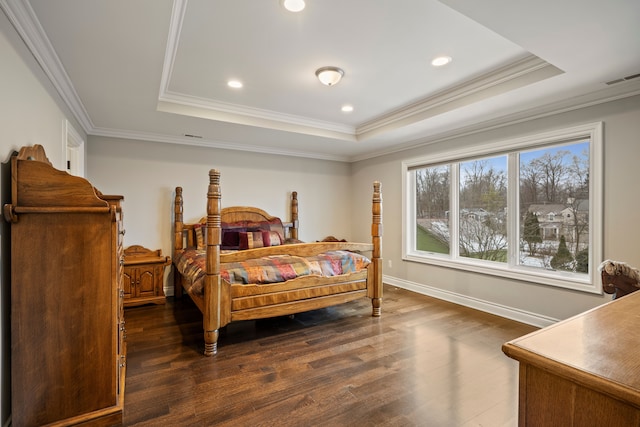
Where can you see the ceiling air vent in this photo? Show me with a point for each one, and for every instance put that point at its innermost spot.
(624, 79)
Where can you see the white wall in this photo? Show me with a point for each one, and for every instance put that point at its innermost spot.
(30, 113)
(147, 173)
(519, 299)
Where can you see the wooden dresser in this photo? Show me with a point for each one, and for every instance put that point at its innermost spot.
(584, 371)
(144, 276)
(67, 326)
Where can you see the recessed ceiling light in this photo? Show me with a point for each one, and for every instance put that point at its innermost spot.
(440, 61)
(347, 108)
(293, 5)
(236, 84)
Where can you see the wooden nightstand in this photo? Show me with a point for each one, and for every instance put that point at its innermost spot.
(143, 276)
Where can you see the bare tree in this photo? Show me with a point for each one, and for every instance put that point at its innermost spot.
(482, 239)
(577, 189)
(483, 197)
(530, 184)
(483, 186)
(432, 188)
(554, 172)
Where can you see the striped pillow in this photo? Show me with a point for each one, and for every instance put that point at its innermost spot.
(259, 239)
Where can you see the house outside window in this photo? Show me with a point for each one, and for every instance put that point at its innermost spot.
(528, 208)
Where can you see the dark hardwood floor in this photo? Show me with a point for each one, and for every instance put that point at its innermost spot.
(425, 362)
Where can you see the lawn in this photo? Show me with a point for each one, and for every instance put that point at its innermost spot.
(427, 242)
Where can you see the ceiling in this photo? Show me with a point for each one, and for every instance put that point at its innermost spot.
(157, 70)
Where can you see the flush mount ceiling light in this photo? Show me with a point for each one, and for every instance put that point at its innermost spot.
(293, 5)
(236, 84)
(329, 76)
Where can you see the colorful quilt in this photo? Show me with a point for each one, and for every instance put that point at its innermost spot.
(271, 269)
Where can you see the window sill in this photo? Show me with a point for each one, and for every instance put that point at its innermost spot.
(559, 279)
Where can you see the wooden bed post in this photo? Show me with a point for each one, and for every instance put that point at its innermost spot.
(293, 233)
(212, 282)
(177, 240)
(376, 237)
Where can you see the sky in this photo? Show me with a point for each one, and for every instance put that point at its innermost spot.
(500, 162)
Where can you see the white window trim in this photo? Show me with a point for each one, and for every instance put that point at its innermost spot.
(590, 282)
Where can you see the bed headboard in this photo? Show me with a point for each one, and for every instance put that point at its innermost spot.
(244, 213)
(185, 234)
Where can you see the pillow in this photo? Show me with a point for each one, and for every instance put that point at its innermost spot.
(200, 231)
(332, 239)
(258, 239)
(251, 239)
(291, 241)
(273, 225)
(271, 238)
(230, 238)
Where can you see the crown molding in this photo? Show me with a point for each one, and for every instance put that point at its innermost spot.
(208, 143)
(603, 96)
(522, 72)
(585, 101)
(176, 103)
(175, 28)
(23, 18)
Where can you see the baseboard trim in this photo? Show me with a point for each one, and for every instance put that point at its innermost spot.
(522, 316)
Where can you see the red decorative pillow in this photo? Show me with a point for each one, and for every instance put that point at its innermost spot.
(231, 239)
(271, 238)
(231, 234)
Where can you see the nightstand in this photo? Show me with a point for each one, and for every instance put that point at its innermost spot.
(143, 276)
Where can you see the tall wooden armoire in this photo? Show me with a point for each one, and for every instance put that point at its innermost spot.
(67, 326)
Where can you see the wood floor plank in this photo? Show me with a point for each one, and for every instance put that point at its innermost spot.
(425, 362)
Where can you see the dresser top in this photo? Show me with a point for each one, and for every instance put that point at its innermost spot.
(599, 348)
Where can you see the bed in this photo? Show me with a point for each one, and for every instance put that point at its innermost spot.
(240, 263)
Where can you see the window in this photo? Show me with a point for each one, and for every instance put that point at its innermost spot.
(529, 208)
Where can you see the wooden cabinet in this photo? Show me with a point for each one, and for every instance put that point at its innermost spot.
(584, 371)
(67, 327)
(144, 276)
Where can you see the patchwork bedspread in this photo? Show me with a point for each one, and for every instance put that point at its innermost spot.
(272, 269)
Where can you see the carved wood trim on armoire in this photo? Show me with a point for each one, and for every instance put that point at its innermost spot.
(67, 325)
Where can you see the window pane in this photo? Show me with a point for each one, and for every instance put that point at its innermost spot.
(432, 209)
(483, 209)
(554, 208)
